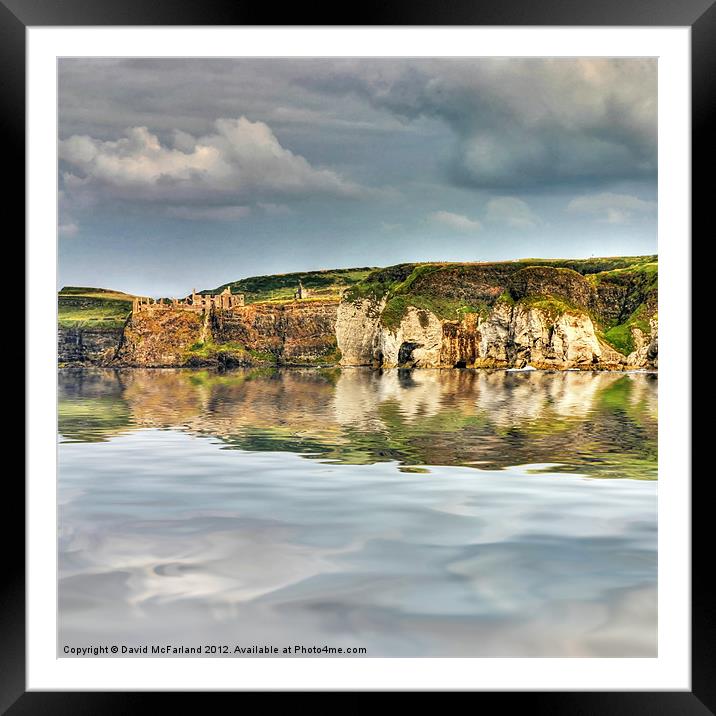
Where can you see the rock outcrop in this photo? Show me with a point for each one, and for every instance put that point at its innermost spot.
(288, 333)
(647, 345)
(510, 336)
(357, 323)
(87, 345)
(160, 338)
(291, 333)
(417, 341)
(490, 317)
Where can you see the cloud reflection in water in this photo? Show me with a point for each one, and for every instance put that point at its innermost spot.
(167, 536)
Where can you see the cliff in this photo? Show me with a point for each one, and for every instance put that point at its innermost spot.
(283, 333)
(582, 314)
(90, 324)
(288, 333)
(161, 338)
(558, 315)
(94, 345)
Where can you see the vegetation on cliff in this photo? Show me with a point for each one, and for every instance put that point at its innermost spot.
(92, 308)
(229, 353)
(637, 287)
(281, 287)
(617, 293)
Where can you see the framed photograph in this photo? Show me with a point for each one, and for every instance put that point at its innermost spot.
(349, 367)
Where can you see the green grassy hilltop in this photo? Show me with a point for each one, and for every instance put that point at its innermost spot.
(281, 287)
(96, 308)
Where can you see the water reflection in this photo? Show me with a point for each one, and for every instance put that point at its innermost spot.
(345, 508)
(601, 424)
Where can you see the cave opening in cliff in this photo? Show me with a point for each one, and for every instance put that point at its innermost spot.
(461, 364)
(405, 352)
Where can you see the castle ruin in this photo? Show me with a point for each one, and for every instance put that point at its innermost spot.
(301, 292)
(193, 302)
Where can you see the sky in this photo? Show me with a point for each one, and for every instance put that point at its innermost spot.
(189, 173)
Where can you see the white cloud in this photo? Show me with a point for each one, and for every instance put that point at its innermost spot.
(226, 213)
(513, 212)
(69, 229)
(611, 208)
(209, 213)
(66, 223)
(390, 228)
(241, 158)
(274, 209)
(457, 222)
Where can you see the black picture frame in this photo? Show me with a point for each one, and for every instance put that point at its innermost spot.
(699, 15)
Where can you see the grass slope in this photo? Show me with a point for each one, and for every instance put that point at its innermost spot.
(278, 287)
(95, 308)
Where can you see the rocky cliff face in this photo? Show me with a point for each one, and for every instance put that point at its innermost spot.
(357, 324)
(505, 315)
(539, 316)
(646, 345)
(291, 333)
(160, 338)
(509, 336)
(87, 345)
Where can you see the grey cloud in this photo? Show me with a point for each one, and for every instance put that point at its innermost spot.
(520, 122)
(102, 97)
(531, 123)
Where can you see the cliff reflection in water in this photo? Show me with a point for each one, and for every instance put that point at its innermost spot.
(278, 508)
(600, 424)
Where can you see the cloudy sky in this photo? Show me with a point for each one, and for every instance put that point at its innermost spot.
(184, 173)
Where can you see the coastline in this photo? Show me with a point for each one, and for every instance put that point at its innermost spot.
(581, 314)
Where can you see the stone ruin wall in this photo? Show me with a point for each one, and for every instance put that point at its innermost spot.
(195, 302)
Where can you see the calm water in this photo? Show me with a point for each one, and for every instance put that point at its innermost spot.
(423, 513)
